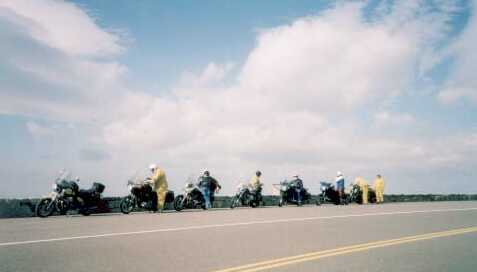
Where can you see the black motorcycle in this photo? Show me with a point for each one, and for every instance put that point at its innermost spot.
(142, 196)
(328, 193)
(66, 196)
(246, 196)
(290, 192)
(191, 199)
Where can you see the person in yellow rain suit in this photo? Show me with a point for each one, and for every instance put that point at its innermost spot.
(363, 185)
(255, 181)
(379, 188)
(159, 184)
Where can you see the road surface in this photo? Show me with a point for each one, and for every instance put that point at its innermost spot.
(390, 237)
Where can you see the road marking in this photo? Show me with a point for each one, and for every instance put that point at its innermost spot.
(266, 265)
(199, 227)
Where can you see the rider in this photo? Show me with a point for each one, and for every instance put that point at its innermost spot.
(379, 188)
(214, 188)
(158, 181)
(297, 184)
(206, 183)
(340, 184)
(364, 187)
(255, 184)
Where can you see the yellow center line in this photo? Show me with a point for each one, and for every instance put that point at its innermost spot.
(260, 266)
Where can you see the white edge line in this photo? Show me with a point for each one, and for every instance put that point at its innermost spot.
(227, 225)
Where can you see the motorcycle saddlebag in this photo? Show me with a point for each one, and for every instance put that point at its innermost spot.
(169, 196)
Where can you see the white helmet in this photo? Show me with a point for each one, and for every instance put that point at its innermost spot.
(339, 173)
(152, 166)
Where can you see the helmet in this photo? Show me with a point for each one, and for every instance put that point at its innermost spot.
(152, 166)
(339, 173)
(206, 173)
(258, 173)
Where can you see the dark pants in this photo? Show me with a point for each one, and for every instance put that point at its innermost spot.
(298, 194)
(154, 201)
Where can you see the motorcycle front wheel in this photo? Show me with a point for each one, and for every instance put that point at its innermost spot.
(234, 202)
(45, 207)
(126, 205)
(281, 202)
(178, 203)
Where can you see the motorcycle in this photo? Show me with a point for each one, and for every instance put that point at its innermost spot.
(246, 196)
(142, 196)
(191, 199)
(289, 191)
(66, 196)
(356, 193)
(328, 194)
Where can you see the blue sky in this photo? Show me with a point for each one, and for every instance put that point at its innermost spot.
(103, 88)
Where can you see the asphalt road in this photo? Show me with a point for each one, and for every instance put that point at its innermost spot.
(390, 237)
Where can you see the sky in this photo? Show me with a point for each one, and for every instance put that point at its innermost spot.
(309, 88)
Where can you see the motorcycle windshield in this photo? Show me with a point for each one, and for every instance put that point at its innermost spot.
(63, 175)
(192, 181)
(139, 177)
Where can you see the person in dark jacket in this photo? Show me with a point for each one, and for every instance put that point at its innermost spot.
(208, 185)
(214, 188)
(297, 184)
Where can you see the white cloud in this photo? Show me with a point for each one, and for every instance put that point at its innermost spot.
(50, 57)
(335, 61)
(63, 26)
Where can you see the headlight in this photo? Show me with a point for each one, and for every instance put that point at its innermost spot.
(55, 186)
(130, 187)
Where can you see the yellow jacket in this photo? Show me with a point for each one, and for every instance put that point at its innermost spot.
(159, 180)
(361, 182)
(379, 184)
(255, 182)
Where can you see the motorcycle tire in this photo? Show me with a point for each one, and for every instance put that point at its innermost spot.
(281, 202)
(45, 208)
(126, 205)
(178, 203)
(233, 203)
(254, 204)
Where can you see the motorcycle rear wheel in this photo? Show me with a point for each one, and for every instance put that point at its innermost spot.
(45, 208)
(126, 205)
